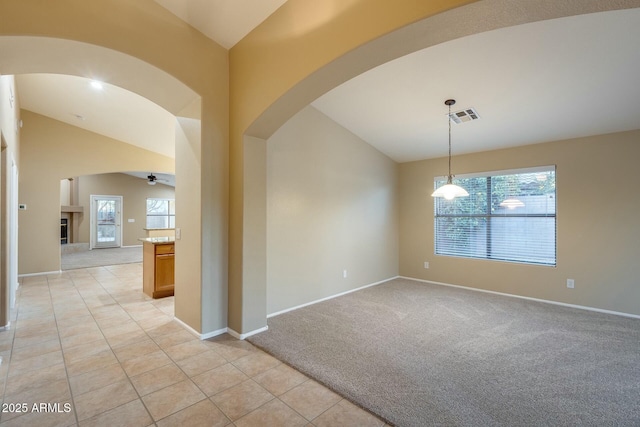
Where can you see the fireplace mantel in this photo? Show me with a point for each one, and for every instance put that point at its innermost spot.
(72, 209)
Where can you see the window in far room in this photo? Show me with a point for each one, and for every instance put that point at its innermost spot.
(161, 213)
(508, 216)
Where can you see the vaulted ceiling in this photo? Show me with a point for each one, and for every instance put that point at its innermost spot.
(531, 83)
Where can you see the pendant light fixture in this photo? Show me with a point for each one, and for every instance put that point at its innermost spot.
(450, 191)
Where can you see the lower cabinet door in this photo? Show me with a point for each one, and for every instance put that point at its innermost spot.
(165, 272)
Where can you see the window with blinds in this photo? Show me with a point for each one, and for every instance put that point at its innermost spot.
(508, 216)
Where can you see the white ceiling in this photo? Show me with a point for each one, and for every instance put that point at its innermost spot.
(532, 83)
(110, 111)
(544, 81)
(225, 21)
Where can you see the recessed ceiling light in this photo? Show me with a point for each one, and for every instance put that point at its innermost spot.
(97, 85)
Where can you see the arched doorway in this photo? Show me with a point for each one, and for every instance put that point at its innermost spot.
(341, 57)
(52, 55)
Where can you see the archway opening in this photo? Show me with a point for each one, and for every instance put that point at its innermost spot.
(29, 55)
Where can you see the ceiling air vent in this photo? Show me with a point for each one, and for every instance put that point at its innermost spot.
(466, 115)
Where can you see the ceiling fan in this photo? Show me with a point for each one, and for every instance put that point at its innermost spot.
(152, 179)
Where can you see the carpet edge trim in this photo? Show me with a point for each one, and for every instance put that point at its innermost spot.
(308, 374)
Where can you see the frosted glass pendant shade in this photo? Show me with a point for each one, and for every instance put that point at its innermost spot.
(450, 192)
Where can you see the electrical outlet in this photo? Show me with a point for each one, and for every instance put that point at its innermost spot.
(344, 274)
(570, 283)
(178, 234)
(426, 264)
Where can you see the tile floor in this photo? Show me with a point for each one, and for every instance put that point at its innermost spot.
(87, 348)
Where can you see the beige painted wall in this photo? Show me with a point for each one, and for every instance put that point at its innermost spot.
(51, 151)
(189, 221)
(134, 192)
(255, 225)
(598, 240)
(301, 51)
(331, 206)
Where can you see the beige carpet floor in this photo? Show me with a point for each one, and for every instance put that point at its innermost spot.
(101, 257)
(420, 355)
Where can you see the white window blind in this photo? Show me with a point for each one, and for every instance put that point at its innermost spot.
(508, 216)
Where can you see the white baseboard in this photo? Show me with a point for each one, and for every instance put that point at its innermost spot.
(330, 297)
(247, 335)
(198, 334)
(44, 273)
(214, 333)
(187, 327)
(131, 246)
(563, 304)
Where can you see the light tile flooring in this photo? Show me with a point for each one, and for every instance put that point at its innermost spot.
(87, 348)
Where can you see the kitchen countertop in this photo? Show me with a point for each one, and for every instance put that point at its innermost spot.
(158, 240)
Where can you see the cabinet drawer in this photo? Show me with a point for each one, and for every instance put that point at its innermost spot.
(164, 249)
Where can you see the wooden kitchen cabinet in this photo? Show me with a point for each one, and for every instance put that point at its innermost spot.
(158, 271)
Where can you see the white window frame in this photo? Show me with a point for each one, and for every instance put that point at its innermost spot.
(168, 215)
(443, 247)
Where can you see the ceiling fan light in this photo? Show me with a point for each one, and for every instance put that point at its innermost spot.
(450, 192)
